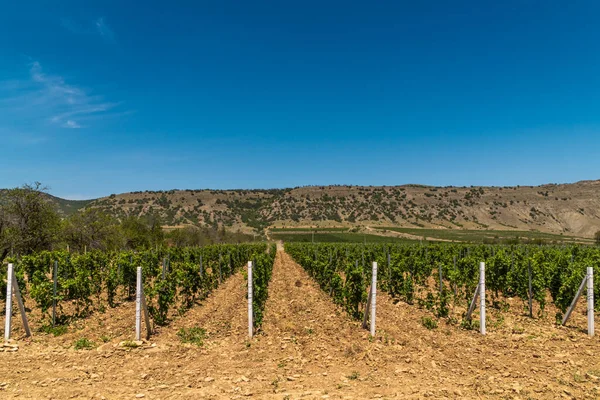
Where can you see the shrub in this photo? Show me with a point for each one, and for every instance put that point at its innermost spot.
(194, 335)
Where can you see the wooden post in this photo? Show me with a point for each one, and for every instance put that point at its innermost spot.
(250, 311)
(164, 268)
(575, 299)
(441, 280)
(455, 284)
(201, 271)
(220, 273)
(389, 270)
(590, 300)
(473, 303)
(373, 298)
(482, 298)
(55, 278)
(146, 315)
(367, 308)
(138, 305)
(7, 321)
(17, 293)
(530, 292)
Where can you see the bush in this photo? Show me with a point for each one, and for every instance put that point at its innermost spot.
(429, 323)
(193, 335)
(84, 344)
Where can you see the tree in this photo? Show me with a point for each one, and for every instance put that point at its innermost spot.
(29, 221)
(136, 234)
(142, 233)
(92, 229)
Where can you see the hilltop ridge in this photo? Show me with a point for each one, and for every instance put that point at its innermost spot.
(571, 209)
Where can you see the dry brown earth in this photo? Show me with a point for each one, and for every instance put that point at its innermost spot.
(308, 349)
(568, 209)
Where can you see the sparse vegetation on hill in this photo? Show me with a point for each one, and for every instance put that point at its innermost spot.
(552, 212)
(568, 209)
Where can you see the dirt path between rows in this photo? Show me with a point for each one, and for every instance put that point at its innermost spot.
(308, 348)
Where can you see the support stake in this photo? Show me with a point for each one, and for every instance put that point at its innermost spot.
(250, 311)
(138, 305)
(590, 300)
(482, 298)
(373, 298)
(575, 300)
(530, 292)
(7, 321)
(17, 293)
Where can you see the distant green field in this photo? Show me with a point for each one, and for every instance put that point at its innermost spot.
(478, 236)
(337, 238)
(309, 230)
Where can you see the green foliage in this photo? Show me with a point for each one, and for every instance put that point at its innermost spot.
(84, 344)
(56, 330)
(262, 271)
(92, 229)
(194, 335)
(96, 279)
(353, 376)
(429, 323)
(344, 271)
(28, 221)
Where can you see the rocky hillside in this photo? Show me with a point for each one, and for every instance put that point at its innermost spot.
(572, 209)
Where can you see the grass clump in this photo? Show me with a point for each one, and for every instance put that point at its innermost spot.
(194, 335)
(56, 330)
(84, 344)
(429, 323)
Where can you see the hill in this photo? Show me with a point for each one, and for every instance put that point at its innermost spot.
(65, 207)
(568, 209)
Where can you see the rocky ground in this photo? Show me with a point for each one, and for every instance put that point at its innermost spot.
(308, 348)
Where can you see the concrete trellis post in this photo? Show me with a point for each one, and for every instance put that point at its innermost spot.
(12, 287)
(140, 305)
(590, 300)
(250, 311)
(482, 298)
(7, 321)
(373, 298)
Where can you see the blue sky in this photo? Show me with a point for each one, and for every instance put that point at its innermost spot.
(102, 97)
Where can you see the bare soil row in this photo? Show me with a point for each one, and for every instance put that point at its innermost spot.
(308, 348)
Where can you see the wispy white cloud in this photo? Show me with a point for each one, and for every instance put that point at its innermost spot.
(104, 30)
(49, 99)
(71, 124)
